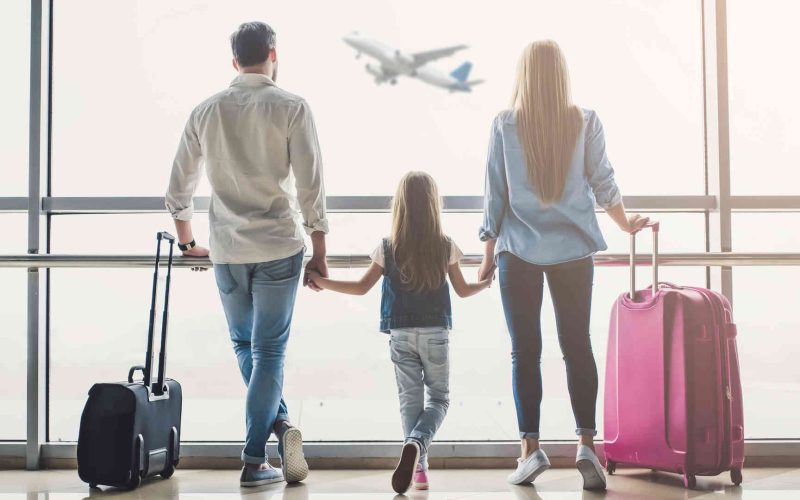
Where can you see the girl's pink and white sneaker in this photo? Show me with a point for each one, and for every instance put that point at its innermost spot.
(420, 478)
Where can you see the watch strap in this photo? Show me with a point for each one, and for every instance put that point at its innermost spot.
(183, 247)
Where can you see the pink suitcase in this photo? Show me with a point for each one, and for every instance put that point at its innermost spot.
(673, 397)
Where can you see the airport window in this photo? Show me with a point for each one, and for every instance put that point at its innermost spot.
(122, 92)
(763, 96)
(14, 42)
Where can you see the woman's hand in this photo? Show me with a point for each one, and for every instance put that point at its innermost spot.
(486, 271)
(635, 223)
(197, 251)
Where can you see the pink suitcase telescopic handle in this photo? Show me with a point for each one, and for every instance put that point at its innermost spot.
(655, 227)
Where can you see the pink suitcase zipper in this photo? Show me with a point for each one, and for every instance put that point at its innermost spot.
(673, 397)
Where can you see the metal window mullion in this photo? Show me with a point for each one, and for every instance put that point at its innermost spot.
(717, 137)
(35, 407)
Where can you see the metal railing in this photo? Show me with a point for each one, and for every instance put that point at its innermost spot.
(726, 259)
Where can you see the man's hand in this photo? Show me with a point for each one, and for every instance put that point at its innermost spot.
(197, 251)
(313, 277)
(318, 264)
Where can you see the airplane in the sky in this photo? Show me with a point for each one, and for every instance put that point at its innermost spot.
(392, 63)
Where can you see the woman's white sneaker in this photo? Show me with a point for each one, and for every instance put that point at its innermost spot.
(590, 468)
(528, 469)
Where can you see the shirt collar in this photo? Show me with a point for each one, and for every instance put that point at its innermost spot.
(251, 80)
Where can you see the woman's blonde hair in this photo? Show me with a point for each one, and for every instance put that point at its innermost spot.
(548, 123)
(420, 249)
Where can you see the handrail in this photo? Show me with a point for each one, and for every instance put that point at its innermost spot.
(725, 259)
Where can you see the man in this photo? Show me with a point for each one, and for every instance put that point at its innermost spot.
(251, 138)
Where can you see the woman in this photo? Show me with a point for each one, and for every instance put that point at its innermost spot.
(546, 168)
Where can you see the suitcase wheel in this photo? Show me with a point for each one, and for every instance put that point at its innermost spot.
(611, 467)
(168, 472)
(134, 482)
(689, 481)
(736, 476)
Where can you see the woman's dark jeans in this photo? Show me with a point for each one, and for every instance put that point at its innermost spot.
(521, 288)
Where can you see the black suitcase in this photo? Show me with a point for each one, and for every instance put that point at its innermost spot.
(131, 430)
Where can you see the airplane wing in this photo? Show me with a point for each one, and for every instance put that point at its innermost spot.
(421, 58)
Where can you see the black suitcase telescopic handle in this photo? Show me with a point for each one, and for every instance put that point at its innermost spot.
(158, 388)
(166, 236)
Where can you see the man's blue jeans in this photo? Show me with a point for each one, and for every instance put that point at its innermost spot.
(259, 300)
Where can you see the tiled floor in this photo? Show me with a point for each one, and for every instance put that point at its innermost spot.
(766, 484)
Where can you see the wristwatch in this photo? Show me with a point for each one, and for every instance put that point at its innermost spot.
(184, 247)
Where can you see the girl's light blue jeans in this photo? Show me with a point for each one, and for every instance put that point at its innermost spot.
(422, 369)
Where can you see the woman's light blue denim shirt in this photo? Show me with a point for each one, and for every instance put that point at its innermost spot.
(512, 213)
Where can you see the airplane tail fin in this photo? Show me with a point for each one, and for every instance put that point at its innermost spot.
(461, 73)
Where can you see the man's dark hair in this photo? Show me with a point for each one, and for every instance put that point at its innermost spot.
(251, 43)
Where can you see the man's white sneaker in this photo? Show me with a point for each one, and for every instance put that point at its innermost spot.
(590, 468)
(528, 469)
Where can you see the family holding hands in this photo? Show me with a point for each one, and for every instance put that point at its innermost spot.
(546, 171)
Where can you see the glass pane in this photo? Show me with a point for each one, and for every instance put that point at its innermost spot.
(765, 301)
(123, 135)
(764, 102)
(14, 228)
(334, 338)
(765, 312)
(13, 318)
(15, 24)
(13, 344)
(774, 232)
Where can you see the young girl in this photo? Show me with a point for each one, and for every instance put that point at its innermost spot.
(415, 311)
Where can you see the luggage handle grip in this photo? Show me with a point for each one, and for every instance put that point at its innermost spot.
(165, 236)
(655, 226)
(133, 370)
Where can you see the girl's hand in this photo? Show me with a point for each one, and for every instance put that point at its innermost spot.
(314, 277)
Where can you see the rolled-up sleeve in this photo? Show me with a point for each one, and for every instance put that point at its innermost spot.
(599, 172)
(306, 161)
(495, 198)
(186, 172)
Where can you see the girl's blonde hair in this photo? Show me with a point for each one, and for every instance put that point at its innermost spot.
(420, 249)
(548, 123)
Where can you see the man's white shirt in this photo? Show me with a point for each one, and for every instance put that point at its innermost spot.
(257, 142)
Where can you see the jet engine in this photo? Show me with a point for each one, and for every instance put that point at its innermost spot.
(374, 70)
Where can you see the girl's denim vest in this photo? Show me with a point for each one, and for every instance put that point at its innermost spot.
(402, 308)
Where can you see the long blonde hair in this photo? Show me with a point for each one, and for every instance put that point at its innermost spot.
(548, 123)
(419, 247)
